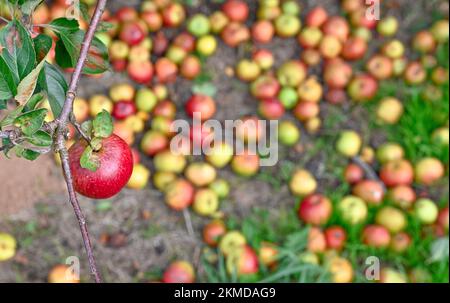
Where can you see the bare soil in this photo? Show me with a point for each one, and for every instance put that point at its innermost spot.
(34, 207)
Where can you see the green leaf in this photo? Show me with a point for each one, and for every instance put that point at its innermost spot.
(7, 83)
(30, 122)
(89, 160)
(10, 117)
(33, 102)
(64, 25)
(207, 88)
(86, 127)
(29, 6)
(27, 86)
(2, 104)
(18, 52)
(102, 125)
(6, 142)
(30, 154)
(42, 45)
(68, 50)
(52, 81)
(41, 139)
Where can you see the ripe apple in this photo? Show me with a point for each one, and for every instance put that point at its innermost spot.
(140, 72)
(235, 33)
(206, 45)
(440, 31)
(428, 171)
(390, 110)
(336, 96)
(310, 90)
(315, 209)
(316, 240)
(179, 272)
(302, 183)
(311, 57)
(426, 211)
(353, 210)
(160, 43)
(139, 177)
(359, 19)
(305, 111)
(220, 155)
(354, 48)
(265, 87)
(198, 25)
(218, 21)
(154, 142)
(268, 254)
(337, 74)
(213, 231)
(362, 88)
(62, 274)
(395, 173)
(441, 136)
(165, 70)
(291, 73)
(221, 187)
(394, 49)
(145, 100)
(350, 6)
(231, 242)
(400, 242)
(389, 152)
(114, 171)
(415, 73)
(316, 17)
(390, 275)
(310, 37)
(330, 47)
(313, 125)
(126, 13)
(124, 131)
(176, 54)
(165, 109)
(353, 173)
(349, 143)
(162, 179)
(380, 67)
(7, 246)
(388, 26)
(206, 202)
(288, 133)
(236, 10)
(341, 270)
(138, 53)
(200, 174)
(287, 25)
(338, 27)
(402, 196)
(250, 130)
(268, 12)
(424, 42)
(202, 104)
(118, 50)
(271, 109)
(133, 32)
(370, 191)
(376, 236)
(123, 109)
(247, 70)
(191, 67)
(122, 92)
(244, 261)
(179, 194)
(336, 237)
(173, 14)
(152, 19)
(185, 41)
(263, 31)
(391, 218)
(167, 161)
(440, 75)
(245, 164)
(443, 218)
(80, 109)
(264, 58)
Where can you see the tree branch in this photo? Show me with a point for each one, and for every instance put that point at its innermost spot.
(63, 120)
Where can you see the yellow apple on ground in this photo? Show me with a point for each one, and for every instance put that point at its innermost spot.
(62, 274)
(7, 246)
(139, 177)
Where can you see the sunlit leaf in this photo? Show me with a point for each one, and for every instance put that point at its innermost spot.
(11, 116)
(64, 25)
(27, 86)
(103, 125)
(52, 81)
(30, 122)
(29, 6)
(89, 160)
(41, 139)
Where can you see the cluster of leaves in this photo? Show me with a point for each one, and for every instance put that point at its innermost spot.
(27, 78)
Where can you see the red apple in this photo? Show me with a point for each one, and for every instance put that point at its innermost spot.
(191, 67)
(165, 109)
(160, 43)
(337, 74)
(154, 142)
(115, 168)
(265, 87)
(370, 191)
(381, 67)
(153, 20)
(354, 48)
(376, 236)
(165, 70)
(415, 73)
(315, 209)
(306, 110)
(141, 72)
(179, 272)
(336, 96)
(202, 104)
(271, 109)
(123, 109)
(213, 231)
(353, 173)
(428, 171)
(235, 33)
(338, 27)
(362, 88)
(316, 17)
(126, 14)
(133, 33)
(335, 237)
(263, 31)
(403, 196)
(173, 14)
(244, 261)
(236, 10)
(179, 194)
(400, 242)
(395, 173)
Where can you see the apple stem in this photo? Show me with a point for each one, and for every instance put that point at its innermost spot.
(371, 174)
(188, 222)
(63, 120)
(80, 130)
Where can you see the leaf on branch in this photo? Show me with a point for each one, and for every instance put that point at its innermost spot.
(25, 153)
(68, 50)
(89, 160)
(10, 117)
(41, 139)
(7, 146)
(28, 6)
(33, 102)
(30, 122)
(27, 86)
(2, 104)
(18, 52)
(52, 81)
(42, 45)
(86, 127)
(7, 83)
(64, 26)
(102, 125)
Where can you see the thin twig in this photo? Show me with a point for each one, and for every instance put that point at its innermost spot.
(371, 174)
(80, 130)
(61, 130)
(188, 222)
